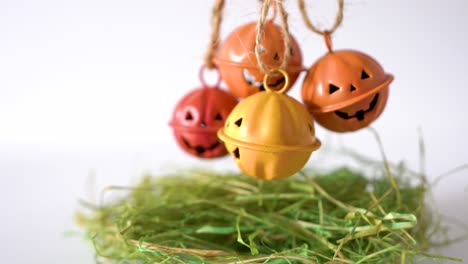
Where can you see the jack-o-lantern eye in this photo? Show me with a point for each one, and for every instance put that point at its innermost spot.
(218, 117)
(276, 58)
(352, 88)
(236, 153)
(332, 88)
(238, 122)
(364, 75)
(188, 116)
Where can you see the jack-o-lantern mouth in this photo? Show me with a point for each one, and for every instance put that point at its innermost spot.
(250, 79)
(361, 113)
(200, 149)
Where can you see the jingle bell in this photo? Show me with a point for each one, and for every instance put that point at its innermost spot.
(237, 62)
(346, 90)
(270, 135)
(197, 117)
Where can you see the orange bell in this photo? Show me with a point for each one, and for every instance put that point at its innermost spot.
(238, 66)
(346, 90)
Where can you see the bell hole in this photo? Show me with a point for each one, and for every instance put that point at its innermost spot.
(364, 75)
(188, 116)
(238, 122)
(261, 48)
(218, 116)
(352, 88)
(236, 153)
(276, 58)
(332, 88)
(202, 124)
(310, 128)
(291, 51)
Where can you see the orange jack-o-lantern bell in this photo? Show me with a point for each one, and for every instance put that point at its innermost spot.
(270, 135)
(237, 62)
(198, 116)
(346, 90)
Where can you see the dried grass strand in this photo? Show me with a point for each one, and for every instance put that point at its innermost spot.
(198, 252)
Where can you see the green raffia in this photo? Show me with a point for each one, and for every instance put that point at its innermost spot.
(205, 217)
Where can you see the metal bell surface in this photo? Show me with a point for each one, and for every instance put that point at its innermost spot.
(237, 62)
(346, 90)
(270, 135)
(196, 119)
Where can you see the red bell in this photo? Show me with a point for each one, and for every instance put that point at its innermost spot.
(198, 116)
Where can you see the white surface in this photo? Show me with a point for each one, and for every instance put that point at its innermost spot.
(87, 88)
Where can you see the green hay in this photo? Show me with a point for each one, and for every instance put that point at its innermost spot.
(206, 217)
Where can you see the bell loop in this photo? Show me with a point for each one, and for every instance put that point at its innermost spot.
(285, 80)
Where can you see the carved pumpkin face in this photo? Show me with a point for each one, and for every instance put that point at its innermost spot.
(346, 90)
(238, 66)
(196, 119)
(269, 148)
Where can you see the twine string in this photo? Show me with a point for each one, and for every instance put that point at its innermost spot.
(216, 20)
(312, 27)
(273, 11)
(277, 6)
(286, 37)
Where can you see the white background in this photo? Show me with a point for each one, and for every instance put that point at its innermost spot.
(87, 89)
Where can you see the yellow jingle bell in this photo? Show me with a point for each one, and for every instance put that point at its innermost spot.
(269, 134)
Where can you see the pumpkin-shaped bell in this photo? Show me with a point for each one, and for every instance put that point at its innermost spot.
(237, 62)
(198, 116)
(346, 90)
(269, 134)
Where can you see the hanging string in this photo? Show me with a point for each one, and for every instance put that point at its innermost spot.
(278, 4)
(216, 19)
(338, 19)
(286, 36)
